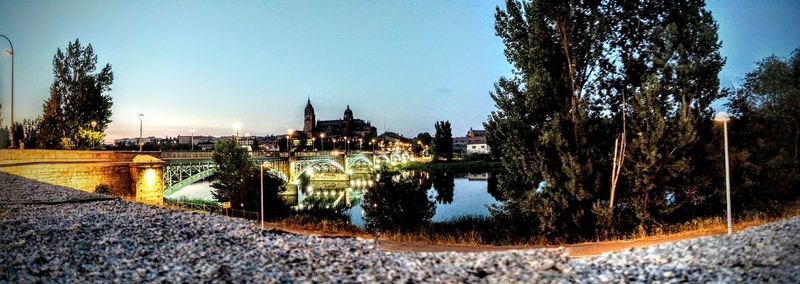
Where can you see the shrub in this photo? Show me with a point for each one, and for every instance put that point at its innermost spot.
(103, 189)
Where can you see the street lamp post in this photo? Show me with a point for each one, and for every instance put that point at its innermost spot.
(262, 166)
(191, 142)
(237, 126)
(140, 132)
(94, 123)
(11, 52)
(346, 144)
(724, 118)
(288, 136)
(322, 141)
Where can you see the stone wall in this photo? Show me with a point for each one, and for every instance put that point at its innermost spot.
(132, 174)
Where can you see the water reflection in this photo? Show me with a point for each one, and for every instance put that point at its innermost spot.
(398, 202)
(444, 183)
(403, 200)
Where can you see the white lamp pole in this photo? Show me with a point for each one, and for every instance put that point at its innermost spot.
(267, 165)
(11, 52)
(192, 139)
(140, 132)
(724, 118)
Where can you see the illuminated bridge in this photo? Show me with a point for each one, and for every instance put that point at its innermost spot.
(185, 168)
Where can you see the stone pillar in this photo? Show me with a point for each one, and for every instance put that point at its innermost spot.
(147, 179)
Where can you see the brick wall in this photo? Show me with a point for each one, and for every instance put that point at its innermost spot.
(84, 170)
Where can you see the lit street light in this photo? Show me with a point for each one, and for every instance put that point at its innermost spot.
(288, 136)
(141, 142)
(322, 141)
(10, 52)
(237, 125)
(94, 124)
(724, 118)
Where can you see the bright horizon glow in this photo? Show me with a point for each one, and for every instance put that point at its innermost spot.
(401, 65)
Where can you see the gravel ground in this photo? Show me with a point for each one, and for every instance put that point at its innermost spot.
(115, 240)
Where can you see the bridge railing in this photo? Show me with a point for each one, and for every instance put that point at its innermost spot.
(185, 155)
(176, 155)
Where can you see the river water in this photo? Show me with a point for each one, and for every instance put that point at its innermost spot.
(444, 196)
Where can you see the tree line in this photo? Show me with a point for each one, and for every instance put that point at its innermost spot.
(78, 110)
(615, 97)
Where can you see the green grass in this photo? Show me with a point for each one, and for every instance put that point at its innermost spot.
(194, 204)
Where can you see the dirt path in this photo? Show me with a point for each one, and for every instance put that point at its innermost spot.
(580, 250)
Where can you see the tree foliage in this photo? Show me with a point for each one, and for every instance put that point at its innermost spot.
(764, 135)
(442, 144)
(586, 72)
(398, 203)
(78, 97)
(238, 181)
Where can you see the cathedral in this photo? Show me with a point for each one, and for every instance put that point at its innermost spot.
(345, 127)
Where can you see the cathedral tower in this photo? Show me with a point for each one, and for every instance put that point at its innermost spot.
(310, 120)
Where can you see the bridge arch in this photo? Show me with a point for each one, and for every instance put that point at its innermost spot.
(182, 174)
(359, 162)
(303, 166)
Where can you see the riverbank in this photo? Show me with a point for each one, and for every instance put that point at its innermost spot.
(56, 234)
(455, 166)
(398, 242)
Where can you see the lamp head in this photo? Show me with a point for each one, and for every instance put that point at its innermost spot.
(9, 51)
(722, 117)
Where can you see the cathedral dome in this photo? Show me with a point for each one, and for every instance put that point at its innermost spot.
(348, 114)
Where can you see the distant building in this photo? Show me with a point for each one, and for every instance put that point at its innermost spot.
(393, 137)
(459, 145)
(348, 126)
(196, 139)
(473, 143)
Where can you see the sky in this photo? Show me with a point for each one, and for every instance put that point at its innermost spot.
(401, 65)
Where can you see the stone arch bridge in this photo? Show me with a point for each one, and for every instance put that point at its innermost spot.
(185, 168)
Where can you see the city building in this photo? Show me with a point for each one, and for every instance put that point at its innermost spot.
(459, 145)
(196, 139)
(348, 126)
(473, 143)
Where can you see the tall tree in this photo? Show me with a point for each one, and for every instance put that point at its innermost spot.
(443, 141)
(78, 97)
(664, 61)
(544, 123)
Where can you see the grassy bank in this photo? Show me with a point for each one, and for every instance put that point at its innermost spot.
(476, 230)
(460, 166)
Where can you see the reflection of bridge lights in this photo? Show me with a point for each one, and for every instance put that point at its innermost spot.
(310, 189)
(370, 183)
(352, 182)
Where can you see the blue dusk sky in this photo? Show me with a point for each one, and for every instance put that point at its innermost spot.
(400, 64)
